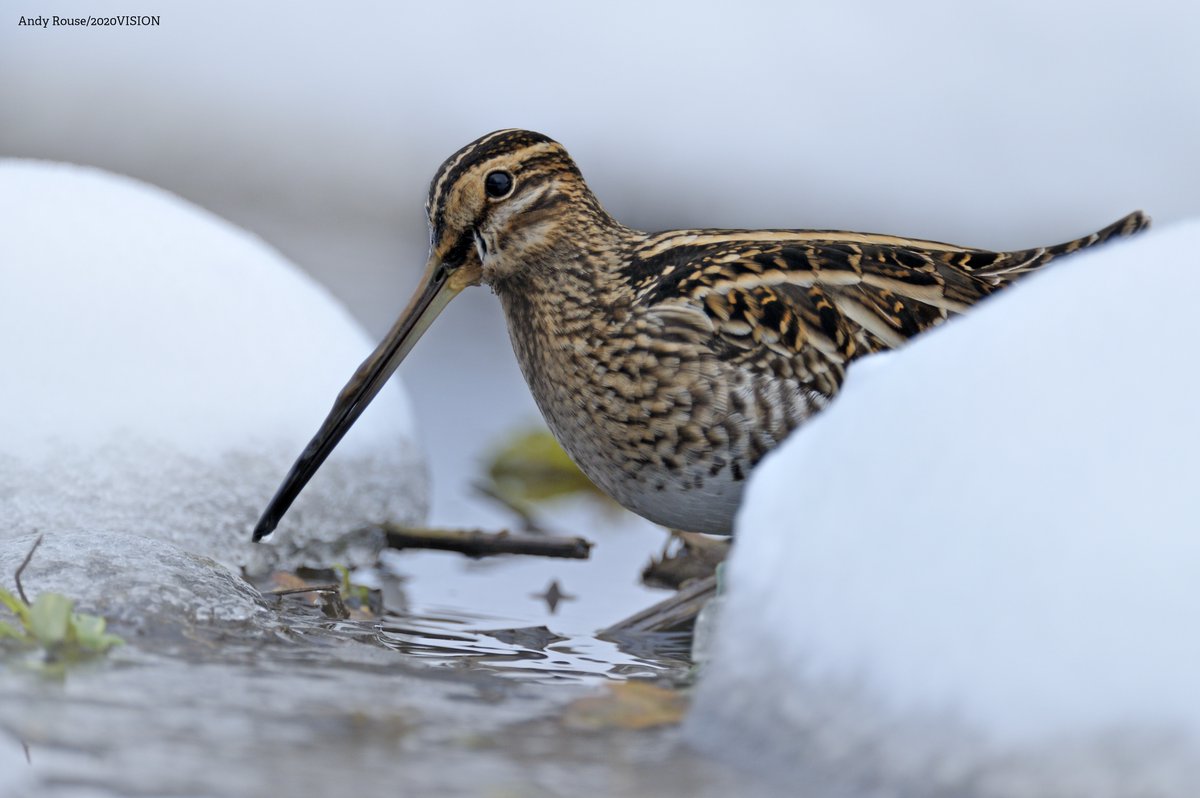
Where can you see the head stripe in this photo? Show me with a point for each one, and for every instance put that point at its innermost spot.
(456, 165)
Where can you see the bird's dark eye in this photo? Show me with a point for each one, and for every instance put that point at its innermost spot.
(498, 184)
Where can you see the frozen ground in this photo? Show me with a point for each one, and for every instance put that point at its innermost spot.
(165, 368)
(976, 573)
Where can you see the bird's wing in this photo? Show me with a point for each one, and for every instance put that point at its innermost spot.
(804, 306)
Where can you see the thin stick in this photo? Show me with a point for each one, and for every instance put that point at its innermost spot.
(477, 543)
(288, 591)
(24, 564)
(676, 612)
(527, 520)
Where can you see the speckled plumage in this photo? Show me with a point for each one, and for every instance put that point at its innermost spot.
(667, 364)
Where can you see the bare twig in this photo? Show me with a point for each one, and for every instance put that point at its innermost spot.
(288, 591)
(528, 523)
(676, 612)
(24, 564)
(477, 543)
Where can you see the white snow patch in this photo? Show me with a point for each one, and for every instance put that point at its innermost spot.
(163, 368)
(979, 567)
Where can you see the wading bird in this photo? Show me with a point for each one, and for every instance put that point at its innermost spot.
(666, 364)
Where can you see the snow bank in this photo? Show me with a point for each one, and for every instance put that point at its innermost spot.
(162, 369)
(978, 570)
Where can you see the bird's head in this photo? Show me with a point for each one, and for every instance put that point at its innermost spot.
(497, 208)
(500, 206)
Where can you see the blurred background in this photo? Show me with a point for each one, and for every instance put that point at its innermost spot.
(319, 125)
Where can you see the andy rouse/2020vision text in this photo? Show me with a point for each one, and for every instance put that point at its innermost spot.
(121, 21)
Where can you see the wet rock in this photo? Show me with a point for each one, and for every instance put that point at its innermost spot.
(143, 587)
(169, 368)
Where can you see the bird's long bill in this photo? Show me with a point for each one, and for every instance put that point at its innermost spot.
(423, 308)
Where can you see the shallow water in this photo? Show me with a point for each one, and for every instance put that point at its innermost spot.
(454, 640)
(460, 610)
(459, 687)
(438, 702)
(529, 638)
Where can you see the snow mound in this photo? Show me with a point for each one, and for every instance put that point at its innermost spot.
(162, 369)
(977, 571)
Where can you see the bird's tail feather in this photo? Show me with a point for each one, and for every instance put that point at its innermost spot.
(1014, 264)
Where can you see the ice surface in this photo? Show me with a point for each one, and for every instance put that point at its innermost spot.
(14, 770)
(162, 369)
(139, 586)
(977, 570)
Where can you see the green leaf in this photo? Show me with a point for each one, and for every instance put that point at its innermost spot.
(16, 606)
(49, 618)
(343, 575)
(8, 630)
(107, 641)
(89, 633)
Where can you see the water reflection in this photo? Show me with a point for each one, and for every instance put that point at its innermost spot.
(448, 638)
(453, 639)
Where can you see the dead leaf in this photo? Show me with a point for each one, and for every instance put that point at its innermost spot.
(531, 467)
(628, 705)
(286, 580)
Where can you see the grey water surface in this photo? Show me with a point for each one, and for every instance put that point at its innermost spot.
(222, 691)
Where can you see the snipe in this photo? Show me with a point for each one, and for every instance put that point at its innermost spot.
(667, 364)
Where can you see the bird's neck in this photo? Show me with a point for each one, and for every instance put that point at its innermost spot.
(559, 313)
(558, 307)
(572, 272)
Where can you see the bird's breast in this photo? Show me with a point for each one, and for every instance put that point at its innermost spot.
(665, 427)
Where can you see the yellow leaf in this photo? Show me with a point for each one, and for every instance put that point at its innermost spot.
(629, 705)
(532, 467)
